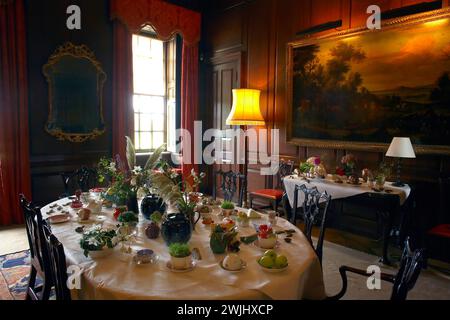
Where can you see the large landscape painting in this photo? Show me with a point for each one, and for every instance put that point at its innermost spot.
(367, 87)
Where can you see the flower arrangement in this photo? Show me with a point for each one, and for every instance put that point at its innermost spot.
(309, 165)
(223, 237)
(126, 180)
(96, 239)
(128, 217)
(348, 167)
(168, 186)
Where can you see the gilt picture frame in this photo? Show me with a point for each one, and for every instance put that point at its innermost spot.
(356, 89)
(75, 88)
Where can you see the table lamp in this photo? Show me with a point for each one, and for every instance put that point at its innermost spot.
(245, 112)
(400, 148)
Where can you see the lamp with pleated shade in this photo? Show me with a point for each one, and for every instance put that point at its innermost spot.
(401, 147)
(245, 110)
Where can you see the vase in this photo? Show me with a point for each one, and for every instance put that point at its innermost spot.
(150, 204)
(132, 203)
(218, 244)
(176, 228)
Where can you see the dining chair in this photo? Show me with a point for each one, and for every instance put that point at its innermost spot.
(314, 211)
(274, 196)
(58, 265)
(230, 182)
(83, 179)
(411, 264)
(39, 256)
(438, 237)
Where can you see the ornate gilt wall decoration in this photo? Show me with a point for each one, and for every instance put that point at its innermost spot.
(75, 88)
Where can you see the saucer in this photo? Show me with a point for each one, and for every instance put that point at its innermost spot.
(60, 218)
(243, 266)
(256, 244)
(191, 267)
(273, 270)
(88, 221)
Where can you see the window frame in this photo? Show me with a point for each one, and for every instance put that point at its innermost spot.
(153, 35)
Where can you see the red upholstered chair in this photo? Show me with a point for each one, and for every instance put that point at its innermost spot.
(274, 196)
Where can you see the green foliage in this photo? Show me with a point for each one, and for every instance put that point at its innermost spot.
(305, 167)
(384, 170)
(227, 205)
(179, 250)
(96, 238)
(156, 217)
(128, 216)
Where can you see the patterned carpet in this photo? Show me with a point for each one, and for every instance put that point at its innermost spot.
(14, 272)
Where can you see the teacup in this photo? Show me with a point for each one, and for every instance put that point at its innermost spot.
(95, 206)
(84, 214)
(181, 263)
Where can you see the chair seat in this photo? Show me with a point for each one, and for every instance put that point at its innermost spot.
(268, 193)
(442, 230)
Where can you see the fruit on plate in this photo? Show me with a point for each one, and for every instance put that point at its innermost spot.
(271, 260)
(271, 253)
(266, 262)
(281, 262)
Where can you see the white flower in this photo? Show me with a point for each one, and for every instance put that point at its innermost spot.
(202, 174)
(93, 241)
(112, 166)
(133, 181)
(137, 170)
(193, 172)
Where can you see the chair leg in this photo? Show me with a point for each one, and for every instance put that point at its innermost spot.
(31, 283)
(46, 291)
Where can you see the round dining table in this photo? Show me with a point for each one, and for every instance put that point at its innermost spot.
(117, 276)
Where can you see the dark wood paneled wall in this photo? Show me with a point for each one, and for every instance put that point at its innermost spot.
(46, 30)
(260, 30)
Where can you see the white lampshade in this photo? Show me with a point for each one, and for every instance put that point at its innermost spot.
(401, 148)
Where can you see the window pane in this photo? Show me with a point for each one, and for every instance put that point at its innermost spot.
(136, 122)
(148, 65)
(158, 122)
(158, 139)
(153, 105)
(146, 122)
(137, 141)
(146, 141)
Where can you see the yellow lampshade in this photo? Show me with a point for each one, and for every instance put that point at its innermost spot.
(245, 110)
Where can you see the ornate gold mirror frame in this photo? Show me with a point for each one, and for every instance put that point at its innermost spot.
(75, 88)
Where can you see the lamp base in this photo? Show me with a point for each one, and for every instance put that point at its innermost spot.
(398, 184)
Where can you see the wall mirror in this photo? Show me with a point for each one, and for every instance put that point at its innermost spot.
(75, 88)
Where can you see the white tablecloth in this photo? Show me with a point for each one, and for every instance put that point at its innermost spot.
(337, 190)
(113, 278)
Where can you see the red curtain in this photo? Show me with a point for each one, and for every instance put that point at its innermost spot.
(189, 103)
(14, 134)
(167, 19)
(122, 88)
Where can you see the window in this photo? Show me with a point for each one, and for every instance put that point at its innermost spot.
(154, 65)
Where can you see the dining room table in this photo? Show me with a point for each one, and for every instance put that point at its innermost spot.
(118, 276)
(392, 197)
